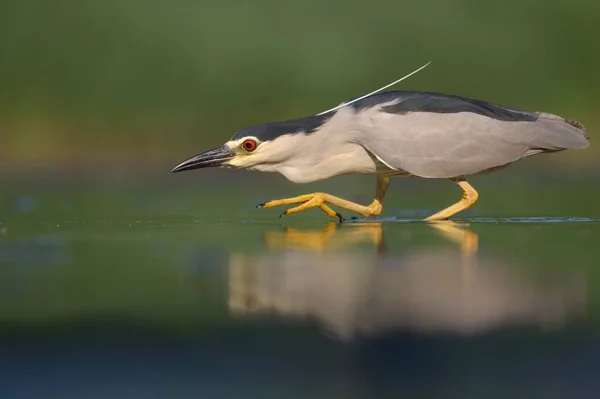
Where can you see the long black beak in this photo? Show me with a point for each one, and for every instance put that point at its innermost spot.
(211, 158)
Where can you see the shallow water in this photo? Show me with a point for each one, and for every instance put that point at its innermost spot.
(136, 300)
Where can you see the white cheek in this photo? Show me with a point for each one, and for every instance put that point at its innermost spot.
(247, 161)
(237, 162)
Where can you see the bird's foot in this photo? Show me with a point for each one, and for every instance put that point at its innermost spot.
(468, 199)
(316, 200)
(320, 200)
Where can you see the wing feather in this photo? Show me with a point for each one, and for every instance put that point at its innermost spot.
(442, 145)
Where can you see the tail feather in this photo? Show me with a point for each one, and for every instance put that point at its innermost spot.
(559, 133)
(576, 124)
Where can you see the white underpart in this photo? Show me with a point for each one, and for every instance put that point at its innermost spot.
(374, 92)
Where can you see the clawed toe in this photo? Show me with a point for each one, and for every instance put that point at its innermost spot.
(322, 201)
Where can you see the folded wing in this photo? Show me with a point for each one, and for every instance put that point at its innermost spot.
(449, 136)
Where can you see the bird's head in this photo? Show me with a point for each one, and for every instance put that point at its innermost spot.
(246, 153)
(263, 147)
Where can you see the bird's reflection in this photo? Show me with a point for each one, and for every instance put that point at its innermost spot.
(320, 275)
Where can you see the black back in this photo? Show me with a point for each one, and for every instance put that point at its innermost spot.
(417, 101)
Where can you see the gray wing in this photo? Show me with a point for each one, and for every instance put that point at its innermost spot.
(442, 145)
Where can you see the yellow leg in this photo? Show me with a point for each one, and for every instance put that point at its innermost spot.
(319, 200)
(468, 199)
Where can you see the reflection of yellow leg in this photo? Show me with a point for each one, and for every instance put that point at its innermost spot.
(469, 245)
(291, 238)
(468, 240)
(329, 238)
(468, 199)
(319, 200)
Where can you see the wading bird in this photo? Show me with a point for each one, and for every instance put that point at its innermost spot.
(389, 134)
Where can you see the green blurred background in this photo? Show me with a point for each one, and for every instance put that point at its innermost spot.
(98, 89)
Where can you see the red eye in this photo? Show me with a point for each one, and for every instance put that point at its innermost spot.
(249, 145)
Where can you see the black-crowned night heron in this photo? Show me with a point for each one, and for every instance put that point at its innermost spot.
(389, 134)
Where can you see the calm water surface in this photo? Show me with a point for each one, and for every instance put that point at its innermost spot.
(178, 307)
